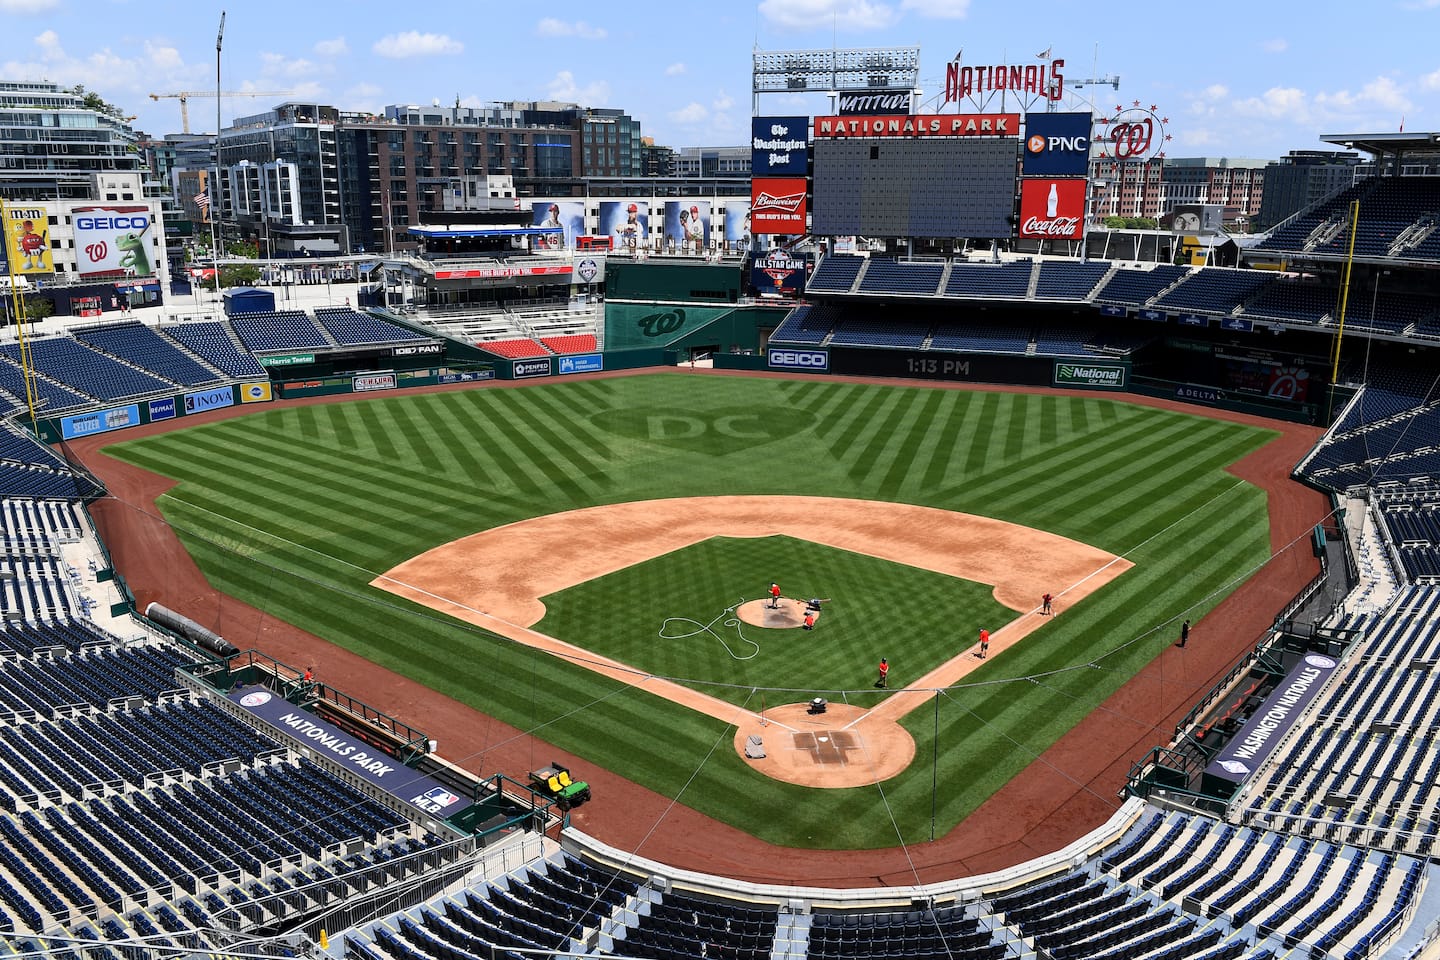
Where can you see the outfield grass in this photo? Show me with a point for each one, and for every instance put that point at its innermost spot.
(878, 609)
(295, 510)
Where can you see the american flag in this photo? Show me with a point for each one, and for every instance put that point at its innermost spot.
(202, 199)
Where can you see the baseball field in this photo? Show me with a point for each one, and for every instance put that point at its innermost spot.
(299, 510)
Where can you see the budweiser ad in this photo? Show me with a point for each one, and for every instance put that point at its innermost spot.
(777, 205)
(1052, 209)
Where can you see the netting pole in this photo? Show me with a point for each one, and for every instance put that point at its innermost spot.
(934, 764)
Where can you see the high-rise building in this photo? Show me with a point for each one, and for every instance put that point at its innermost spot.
(1305, 177)
(69, 164)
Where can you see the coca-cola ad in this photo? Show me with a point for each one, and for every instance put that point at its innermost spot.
(1052, 209)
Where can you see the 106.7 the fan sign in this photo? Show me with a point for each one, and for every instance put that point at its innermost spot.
(113, 241)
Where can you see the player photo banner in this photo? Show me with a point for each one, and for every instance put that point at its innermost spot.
(777, 205)
(737, 222)
(113, 241)
(27, 240)
(1052, 209)
(687, 222)
(628, 221)
(566, 215)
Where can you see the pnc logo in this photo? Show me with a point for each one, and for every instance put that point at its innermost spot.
(1038, 143)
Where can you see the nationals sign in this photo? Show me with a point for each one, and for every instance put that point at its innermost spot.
(777, 205)
(1052, 209)
(920, 125)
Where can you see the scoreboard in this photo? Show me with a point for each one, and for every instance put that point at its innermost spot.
(915, 187)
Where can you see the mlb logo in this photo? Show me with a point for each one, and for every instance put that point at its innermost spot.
(440, 797)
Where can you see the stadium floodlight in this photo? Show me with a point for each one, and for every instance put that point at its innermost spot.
(834, 71)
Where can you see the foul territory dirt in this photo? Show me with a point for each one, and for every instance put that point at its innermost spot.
(1065, 792)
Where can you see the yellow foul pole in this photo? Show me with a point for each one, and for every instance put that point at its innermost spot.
(1345, 290)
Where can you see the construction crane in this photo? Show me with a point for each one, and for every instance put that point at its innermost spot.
(184, 98)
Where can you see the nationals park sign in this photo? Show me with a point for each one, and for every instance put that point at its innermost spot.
(920, 125)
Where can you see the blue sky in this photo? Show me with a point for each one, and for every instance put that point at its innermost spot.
(1237, 80)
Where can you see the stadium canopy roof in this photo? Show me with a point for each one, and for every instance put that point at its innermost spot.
(1386, 144)
(425, 230)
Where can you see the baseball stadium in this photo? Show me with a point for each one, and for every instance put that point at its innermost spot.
(943, 580)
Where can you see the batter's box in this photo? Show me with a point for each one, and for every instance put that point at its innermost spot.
(827, 747)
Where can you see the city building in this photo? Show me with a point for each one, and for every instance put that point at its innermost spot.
(1236, 184)
(1305, 177)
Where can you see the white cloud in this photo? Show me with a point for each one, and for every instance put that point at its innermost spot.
(722, 102)
(364, 96)
(332, 48)
(849, 15)
(27, 6)
(551, 27)
(122, 80)
(675, 69)
(278, 65)
(1277, 102)
(564, 87)
(1431, 81)
(1381, 93)
(691, 113)
(1275, 45)
(938, 9)
(413, 43)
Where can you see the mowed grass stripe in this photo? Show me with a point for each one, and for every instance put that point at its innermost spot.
(887, 432)
(554, 471)
(568, 453)
(380, 430)
(861, 408)
(960, 416)
(416, 440)
(976, 454)
(1059, 467)
(910, 461)
(1022, 433)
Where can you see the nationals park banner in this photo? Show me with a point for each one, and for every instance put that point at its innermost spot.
(370, 763)
(1268, 725)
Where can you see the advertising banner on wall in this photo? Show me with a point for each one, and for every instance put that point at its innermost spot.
(1057, 144)
(737, 222)
(113, 241)
(687, 222)
(779, 146)
(27, 240)
(628, 221)
(1052, 209)
(1267, 725)
(566, 215)
(777, 205)
(780, 274)
(874, 103)
(920, 125)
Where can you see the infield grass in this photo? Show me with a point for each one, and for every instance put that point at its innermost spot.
(676, 617)
(296, 509)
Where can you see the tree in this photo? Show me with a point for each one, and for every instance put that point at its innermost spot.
(239, 275)
(38, 307)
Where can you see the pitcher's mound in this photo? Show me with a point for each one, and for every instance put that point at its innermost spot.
(759, 613)
(845, 746)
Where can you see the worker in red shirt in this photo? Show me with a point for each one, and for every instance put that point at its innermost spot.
(774, 596)
(984, 642)
(809, 621)
(884, 680)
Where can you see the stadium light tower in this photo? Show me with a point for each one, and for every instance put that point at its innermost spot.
(833, 71)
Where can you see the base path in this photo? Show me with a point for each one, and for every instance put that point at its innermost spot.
(459, 578)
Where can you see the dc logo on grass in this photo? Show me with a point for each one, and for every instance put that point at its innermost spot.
(716, 432)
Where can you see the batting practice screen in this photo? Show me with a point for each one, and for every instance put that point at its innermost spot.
(914, 187)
